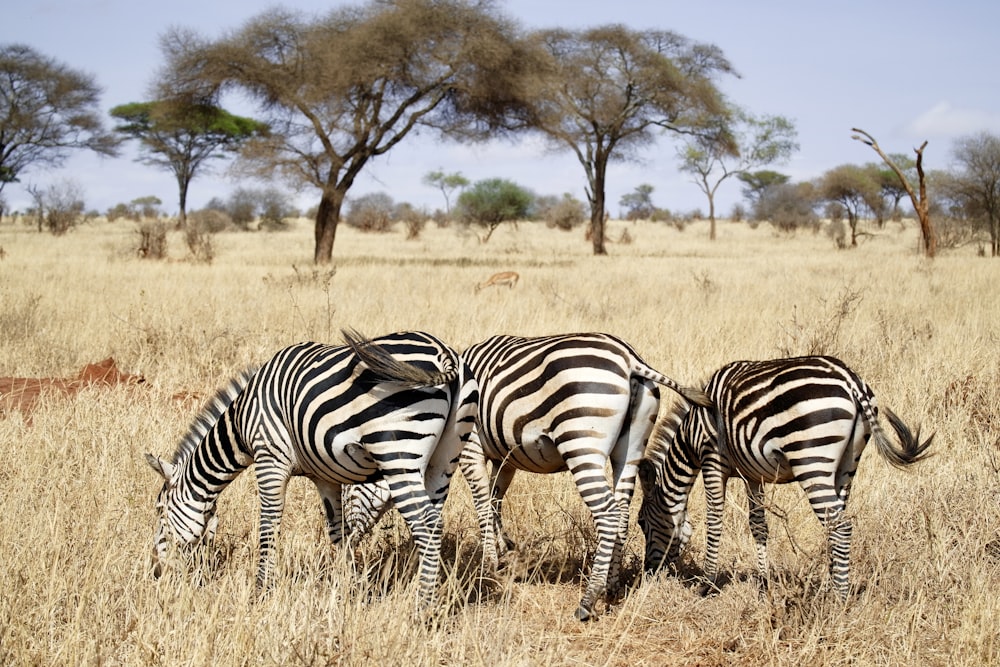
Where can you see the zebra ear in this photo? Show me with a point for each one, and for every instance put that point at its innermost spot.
(165, 469)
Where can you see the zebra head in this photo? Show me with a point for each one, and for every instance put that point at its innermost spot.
(665, 526)
(666, 474)
(186, 524)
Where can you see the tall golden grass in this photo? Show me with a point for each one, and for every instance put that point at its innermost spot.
(76, 497)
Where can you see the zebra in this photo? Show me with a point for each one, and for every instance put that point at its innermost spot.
(398, 408)
(804, 419)
(563, 402)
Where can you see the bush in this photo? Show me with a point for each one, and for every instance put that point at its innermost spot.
(199, 241)
(565, 213)
(152, 240)
(119, 211)
(787, 206)
(274, 209)
(59, 207)
(413, 218)
(242, 207)
(210, 220)
(371, 213)
(638, 204)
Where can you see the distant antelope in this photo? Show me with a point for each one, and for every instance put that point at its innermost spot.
(508, 278)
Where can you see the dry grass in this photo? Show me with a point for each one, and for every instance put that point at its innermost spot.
(77, 498)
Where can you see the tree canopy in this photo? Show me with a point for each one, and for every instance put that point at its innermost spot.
(743, 142)
(605, 93)
(47, 109)
(182, 137)
(978, 180)
(341, 89)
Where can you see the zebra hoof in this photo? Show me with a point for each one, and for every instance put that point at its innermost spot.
(707, 590)
(583, 614)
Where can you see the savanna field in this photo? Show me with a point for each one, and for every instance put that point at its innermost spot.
(77, 495)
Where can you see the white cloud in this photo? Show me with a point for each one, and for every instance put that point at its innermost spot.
(946, 121)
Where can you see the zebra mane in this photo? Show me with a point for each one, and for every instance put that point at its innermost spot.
(210, 414)
(666, 430)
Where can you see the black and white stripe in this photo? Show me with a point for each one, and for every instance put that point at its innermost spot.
(568, 402)
(804, 419)
(397, 408)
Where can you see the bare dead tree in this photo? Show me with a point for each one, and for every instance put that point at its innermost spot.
(920, 203)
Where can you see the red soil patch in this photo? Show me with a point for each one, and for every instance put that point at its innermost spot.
(23, 393)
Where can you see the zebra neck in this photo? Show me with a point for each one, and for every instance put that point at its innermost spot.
(215, 462)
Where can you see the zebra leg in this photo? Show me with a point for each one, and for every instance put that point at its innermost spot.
(644, 405)
(589, 477)
(472, 461)
(715, 499)
(424, 521)
(454, 439)
(501, 479)
(330, 495)
(758, 527)
(839, 529)
(364, 505)
(272, 480)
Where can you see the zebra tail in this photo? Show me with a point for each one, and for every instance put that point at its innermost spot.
(389, 369)
(691, 394)
(913, 450)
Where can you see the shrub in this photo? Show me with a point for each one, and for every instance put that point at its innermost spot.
(152, 240)
(413, 218)
(210, 220)
(59, 207)
(199, 241)
(638, 204)
(565, 213)
(371, 213)
(119, 211)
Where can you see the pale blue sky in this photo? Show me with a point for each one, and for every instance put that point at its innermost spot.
(903, 71)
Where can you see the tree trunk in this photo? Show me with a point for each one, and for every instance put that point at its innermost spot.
(327, 219)
(597, 217)
(920, 204)
(182, 187)
(711, 217)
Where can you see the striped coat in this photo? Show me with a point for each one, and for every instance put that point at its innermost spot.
(803, 419)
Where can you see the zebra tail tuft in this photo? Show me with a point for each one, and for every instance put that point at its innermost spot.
(913, 450)
(388, 368)
(697, 397)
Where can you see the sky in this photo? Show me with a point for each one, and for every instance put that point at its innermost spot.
(904, 71)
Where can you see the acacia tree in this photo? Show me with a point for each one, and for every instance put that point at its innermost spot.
(744, 143)
(977, 181)
(447, 184)
(493, 202)
(182, 137)
(343, 88)
(47, 109)
(757, 183)
(605, 92)
(855, 189)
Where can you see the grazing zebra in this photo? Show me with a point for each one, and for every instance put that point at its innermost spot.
(805, 419)
(554, 403)
(398, 408)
